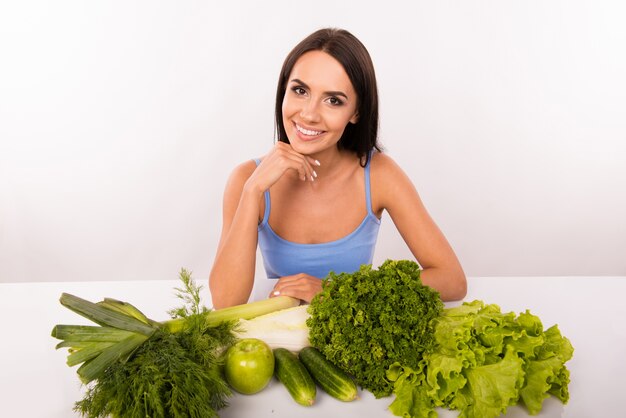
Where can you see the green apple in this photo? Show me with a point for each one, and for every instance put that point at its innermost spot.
(249, 365)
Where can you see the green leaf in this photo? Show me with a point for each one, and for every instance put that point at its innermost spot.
(103, 316)
(365, 321)
(86, 353)
(412, 401)
(492, 388)
(539, 375)
(87, 333)
(190, 295)
(483, 362)
(94, 368)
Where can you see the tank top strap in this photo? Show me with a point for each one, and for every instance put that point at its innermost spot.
(266, 195)
(368, 193)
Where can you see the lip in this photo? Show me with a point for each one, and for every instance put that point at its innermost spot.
(305, 137)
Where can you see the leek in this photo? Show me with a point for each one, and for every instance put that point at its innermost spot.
(122, 328)
(285, 328)
(234, 313)
(86, 333)
(86, 353)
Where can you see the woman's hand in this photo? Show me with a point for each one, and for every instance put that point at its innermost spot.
(277, 162)
(299, 286)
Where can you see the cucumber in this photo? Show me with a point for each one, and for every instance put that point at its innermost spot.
(292, 373)
(329, 377)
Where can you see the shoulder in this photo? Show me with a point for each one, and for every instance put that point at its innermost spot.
(235, 185)
(388, 180)
(242, 172)
(384, 169)
(237, 179)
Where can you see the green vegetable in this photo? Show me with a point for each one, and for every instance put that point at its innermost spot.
(294, 376)
(126, 328)
(170, 375)
(281, 329)
(365, 321)
(238, 312)
(329, 377)
(139, 367)
(484, 361)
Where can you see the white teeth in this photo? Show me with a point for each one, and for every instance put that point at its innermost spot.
(306, 131)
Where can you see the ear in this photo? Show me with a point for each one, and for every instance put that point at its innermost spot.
(355, 118)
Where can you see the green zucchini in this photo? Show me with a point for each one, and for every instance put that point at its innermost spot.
(329, 377)
(292, 373)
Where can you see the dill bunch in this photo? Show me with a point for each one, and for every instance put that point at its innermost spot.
(171, 375)
(134, 367)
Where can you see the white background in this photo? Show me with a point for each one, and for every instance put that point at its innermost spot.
(121, 120)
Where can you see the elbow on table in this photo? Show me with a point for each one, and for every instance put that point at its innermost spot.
(221, 297)
(218, 299)
(455, 288)
(223, 301)
(458, 288)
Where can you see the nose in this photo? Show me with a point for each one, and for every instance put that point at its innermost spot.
(310, 111)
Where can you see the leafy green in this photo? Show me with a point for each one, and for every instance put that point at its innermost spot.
(365, 321)
(171, 374)
(190, 295)
(483, 362)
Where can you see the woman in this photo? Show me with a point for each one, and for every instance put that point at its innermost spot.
(313, 204)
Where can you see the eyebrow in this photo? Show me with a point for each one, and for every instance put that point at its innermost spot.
(328, 93)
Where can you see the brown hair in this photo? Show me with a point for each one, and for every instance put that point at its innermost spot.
(362, 136)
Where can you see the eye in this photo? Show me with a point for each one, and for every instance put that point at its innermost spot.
(335, 101)
(298, 90)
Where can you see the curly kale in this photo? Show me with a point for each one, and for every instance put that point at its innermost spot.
(365, 321)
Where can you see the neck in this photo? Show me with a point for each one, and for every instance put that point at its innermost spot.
(332, 160)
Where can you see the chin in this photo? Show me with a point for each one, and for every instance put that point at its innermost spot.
(304, 150)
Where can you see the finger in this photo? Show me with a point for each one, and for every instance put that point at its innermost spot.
(313, 161)
(304, 166)
(299, 282)
(296, 164)
(294, 278)
(306, 161)
(304, 293)
(288, 159)
(277, 290)
(280, 283)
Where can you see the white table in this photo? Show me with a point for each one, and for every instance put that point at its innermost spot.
(36, 383)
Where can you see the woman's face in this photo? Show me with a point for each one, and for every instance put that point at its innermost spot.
(319, 102)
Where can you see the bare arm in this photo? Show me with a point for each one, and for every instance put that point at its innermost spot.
(232, 275)
(395, 193)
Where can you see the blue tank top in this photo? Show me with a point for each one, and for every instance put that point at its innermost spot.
(284, 258)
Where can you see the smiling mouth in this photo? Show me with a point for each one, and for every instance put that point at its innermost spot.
(307, 132)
